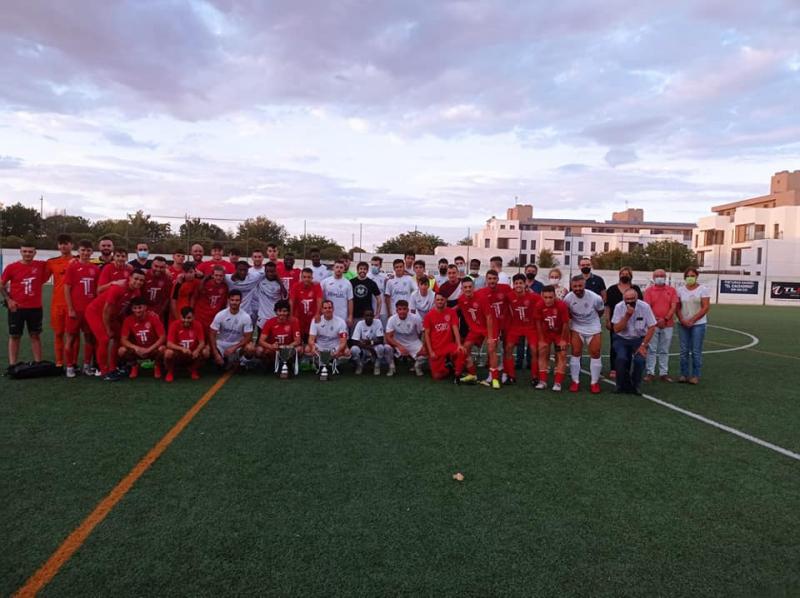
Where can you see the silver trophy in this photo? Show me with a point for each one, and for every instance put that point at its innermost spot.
(325, 359)
(283, 363)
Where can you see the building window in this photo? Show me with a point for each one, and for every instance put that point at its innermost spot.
(486, 243)
(736, 257)
(758, 255)
(523, 244)
(523, 259)
(696, 237)
(701, 258)
(776, 231)
(533, 244)
(568, 231)
(511, 226)
(567, 246)
(632, 246)
(502, 243)
(592, 246)
(566, 260)
(749, 232)
(502, 227)
(580, 246)
(605, 247)
(558, 245)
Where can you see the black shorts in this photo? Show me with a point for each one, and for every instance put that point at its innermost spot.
(32, 316)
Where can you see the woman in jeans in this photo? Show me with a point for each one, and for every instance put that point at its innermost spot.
(614, 295)
(694, 301)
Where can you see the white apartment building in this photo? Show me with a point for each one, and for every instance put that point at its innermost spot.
(521, 236)
(759, 236)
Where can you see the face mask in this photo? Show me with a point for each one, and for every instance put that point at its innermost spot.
(442, 271)
(690, 280)
(530, 276)
(374, 269)
(462, 269)
(631, 303)
(143, 254)
(586, 270)
(625, 279)
(555, 280)
(660, 281)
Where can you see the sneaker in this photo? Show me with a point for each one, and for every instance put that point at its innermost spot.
(359, 368)
(509, 380)
(556, 387)
(574, 386)
(469, 379)
(134, 372)
(157, 372)
(418, 369)
(98, 373)
(195, 375)
(456, 380)
(666, 378)
(376, 370)
(595, 388)
(170, 376)
(391, 371)
(496, 384)
(541, 385)
(88, 370)
(70, 371)
(504, 378)
(112, 376)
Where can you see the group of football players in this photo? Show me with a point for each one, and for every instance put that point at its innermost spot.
(148, 312)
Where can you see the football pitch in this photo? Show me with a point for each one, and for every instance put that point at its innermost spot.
(345, 488)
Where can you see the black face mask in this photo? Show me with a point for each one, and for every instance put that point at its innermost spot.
(530, 276)
(631, 303)
(586, 270)
(625, 279)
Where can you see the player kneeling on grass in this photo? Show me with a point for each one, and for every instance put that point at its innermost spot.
(443, 341)
(367, 343)
(186, 344)
(403, 332)
(634, 325)
(585, 309)
(554, 333)
(231, 334)
(327, 341)
(142, 338)
(280, 338)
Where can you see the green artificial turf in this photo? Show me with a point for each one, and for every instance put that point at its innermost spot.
(306, 488)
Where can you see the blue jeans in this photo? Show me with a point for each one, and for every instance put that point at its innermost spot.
(692, 344)
(627, 355)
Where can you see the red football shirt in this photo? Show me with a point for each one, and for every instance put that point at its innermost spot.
(157, 290)
(82, 281)
(440, 325)
(211, 298)
(175, 271)
(26, 282)
(182, 293)
(281, 333)
(304, 302)
(554, 318)
(207, 268)
(111, 273)
(144, 332)
(498, 300)
(188, 338)
(474, 311)
(290, 278)
(119, 297)
(525, 310)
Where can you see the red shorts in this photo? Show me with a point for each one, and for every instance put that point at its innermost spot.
(552, 338)
(437, 365)
(512, 337)
(477, 338)
(58, 318)
(78, 324)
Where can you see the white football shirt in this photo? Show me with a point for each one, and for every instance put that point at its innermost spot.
(362, 332)
(400, 288)
(328, 332)
(583, 312)
(339, 291)
(406, 332)
(230, 328)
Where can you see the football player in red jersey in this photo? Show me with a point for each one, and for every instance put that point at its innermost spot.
(24, 301)
(496, 296)
(205, 268)
(554, 332)
(481, 328)
(289, 275)
(104, 315)
(80, 288)
(211, 296)
(183, 290)
(525, 308)
(142, 337)
(443, 340)
(306, 301)
(157, 287)
(176, 268)
(117, 270)
(282, 331)
(186, 344)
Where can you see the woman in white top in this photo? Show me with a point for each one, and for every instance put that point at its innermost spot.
(554, 276)
(693, 303)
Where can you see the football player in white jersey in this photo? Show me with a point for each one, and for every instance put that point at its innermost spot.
(269, 290)
(400, 287)
(367, 343)
(338, 289)
(403, 335)
(319, 269)
(585, 311)
(329, 334)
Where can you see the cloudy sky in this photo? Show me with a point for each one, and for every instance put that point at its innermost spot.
(395, 114)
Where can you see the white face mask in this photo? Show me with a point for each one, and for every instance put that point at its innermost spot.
(375, 269)
(555, 280)
(660, 280)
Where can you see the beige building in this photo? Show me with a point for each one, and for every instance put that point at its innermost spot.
(756, 236)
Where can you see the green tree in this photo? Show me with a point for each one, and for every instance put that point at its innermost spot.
(195, 230)
(547, 259)
(465, 242)
(673, 256)
(19, 221)
(262, 229)
(302, 244)
(417, 241)
(59, 224)
(610, 260)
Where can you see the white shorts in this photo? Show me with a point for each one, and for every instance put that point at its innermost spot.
(413, 350)
(222, 347)
(586, 338)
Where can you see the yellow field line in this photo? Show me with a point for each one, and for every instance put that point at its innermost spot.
(79, 535)
(756, 350)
